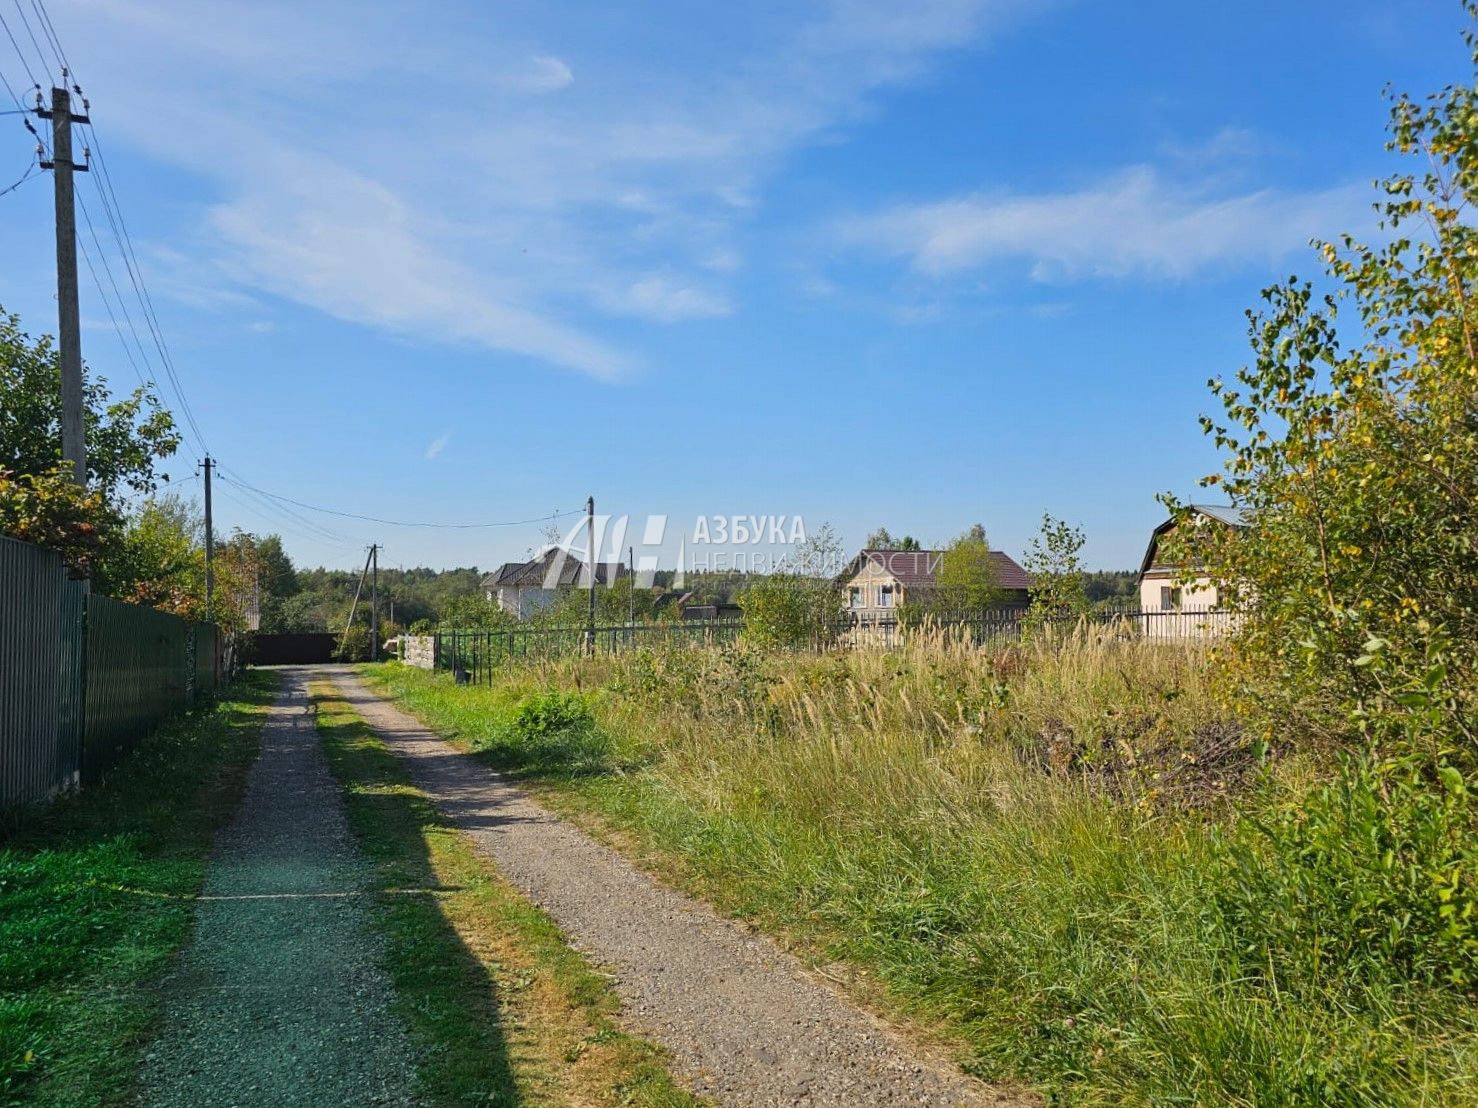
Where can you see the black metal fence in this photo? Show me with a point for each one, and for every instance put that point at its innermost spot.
(83, 677)
(476, 654)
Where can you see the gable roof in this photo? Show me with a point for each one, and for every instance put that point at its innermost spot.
(1222, 513)
(1225, 513)
(491, 580)
(536, 573)
(916, 569)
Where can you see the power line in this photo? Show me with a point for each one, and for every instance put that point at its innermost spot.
(337, 546)
(49, 33)
(276, 510)
(198, 439)
(113, 212)
(31, 171)
(114, 319)
(21, 108)
(122, 307)
(26, 23)
(398, 522)
(279, 511)
(19, 53)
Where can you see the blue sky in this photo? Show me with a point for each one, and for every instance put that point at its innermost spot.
(866, 262)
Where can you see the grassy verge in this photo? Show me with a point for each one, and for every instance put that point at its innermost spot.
(503, 1010)
(96, 896)
(1024, 853)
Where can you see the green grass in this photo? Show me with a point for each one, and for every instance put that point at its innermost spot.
(983, 841)
(503, 1011)
(96, 894)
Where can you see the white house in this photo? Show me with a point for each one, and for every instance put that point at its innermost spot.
(1159, 587)
(524, 588)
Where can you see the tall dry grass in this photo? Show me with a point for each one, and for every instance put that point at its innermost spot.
(1024, 843)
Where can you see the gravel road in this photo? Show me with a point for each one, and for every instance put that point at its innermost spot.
(743, 1021)
(280, 999)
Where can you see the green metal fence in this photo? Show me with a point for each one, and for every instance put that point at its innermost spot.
(478, 652)
(84, 677)
(41, 624)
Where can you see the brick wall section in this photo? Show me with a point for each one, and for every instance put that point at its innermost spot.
(420, 650)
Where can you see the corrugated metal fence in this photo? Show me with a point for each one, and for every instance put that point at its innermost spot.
(83, 677)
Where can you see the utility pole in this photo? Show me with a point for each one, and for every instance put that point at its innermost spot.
(590, 562)
(375, 603)
(69, 329)
(631, 580)
(210, 546)
(353, 607)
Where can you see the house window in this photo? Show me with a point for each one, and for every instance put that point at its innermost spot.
(1169, 598)
(854, 596)
(885, 596)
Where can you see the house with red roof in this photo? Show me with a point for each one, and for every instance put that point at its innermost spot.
(877, 583)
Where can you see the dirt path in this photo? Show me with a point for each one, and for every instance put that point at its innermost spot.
(744, 1023)
(280, 999)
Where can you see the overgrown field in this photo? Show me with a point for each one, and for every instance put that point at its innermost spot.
(1062, 858)
(96, 894)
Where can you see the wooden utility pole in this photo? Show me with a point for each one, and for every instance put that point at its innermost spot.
(375, 603)
(210, 546)
(590, 563)
(69, 328)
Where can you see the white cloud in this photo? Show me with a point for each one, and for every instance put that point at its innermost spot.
(1135, 223)
(349, 250)
(405, 168)
(540, 73)
(667, 301)
(437, 445)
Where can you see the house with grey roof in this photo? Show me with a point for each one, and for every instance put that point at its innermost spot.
(523, 589)
(1160, 587)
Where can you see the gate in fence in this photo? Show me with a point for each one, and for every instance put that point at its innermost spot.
(84, 677)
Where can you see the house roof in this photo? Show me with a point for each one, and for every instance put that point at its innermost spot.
(1234, 517)
(491, 580)
(916, 568)
(536, 573)
(1222, 513)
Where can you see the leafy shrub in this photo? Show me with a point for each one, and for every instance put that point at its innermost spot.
(557, 730)
(1370, 879)
(354, 644)
(789, 610)
(545, 715)
(727, 681)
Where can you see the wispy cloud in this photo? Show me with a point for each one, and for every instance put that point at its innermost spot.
(1135, 223)
(540, 73)
(437, 445)
(667, 301)
(443, 172)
